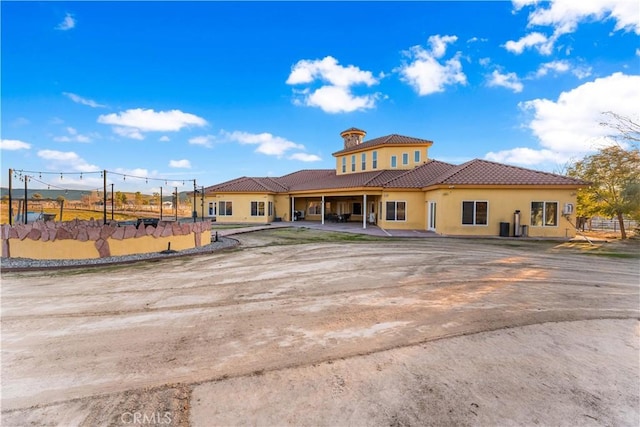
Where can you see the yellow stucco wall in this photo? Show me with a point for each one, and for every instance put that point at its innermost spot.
(415, 217)
(241, 211)
(149, 244)
(384, 158)
(58, 249)
(502, 204)
(74, 249)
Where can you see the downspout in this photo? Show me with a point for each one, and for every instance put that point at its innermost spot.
(322, 210)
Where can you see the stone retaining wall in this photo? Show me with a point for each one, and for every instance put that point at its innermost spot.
(79, 239)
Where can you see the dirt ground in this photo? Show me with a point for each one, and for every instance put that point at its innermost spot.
(395, 332)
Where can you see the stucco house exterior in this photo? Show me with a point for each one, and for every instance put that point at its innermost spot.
(391, 182)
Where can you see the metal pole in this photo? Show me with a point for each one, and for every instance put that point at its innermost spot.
(104, 196)
(194, 213)
(364, 211)
(111, 201)
(176, 203)
(202, 202)
(10, 200)
(26, 179)
(160, 203)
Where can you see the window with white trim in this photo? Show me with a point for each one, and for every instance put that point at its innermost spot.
(374, 160)
(212, 209)
(315, 208)
(394, 162)
(344, 164)
(396, 211)
(544, 214)
(257, 208)
(416, 156)
(363, 161)
(405, 158)
(225, 208)
(270, 208)
(475, 212)
(353, 163)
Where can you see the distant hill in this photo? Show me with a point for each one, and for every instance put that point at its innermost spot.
(18, 193)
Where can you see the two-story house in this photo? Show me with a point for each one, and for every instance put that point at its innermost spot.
(391, 182)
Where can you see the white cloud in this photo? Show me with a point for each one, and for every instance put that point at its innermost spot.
(84, 101)
(267, 143)
(185, 164)
(536, 40)
(328, 70)
(524, 156)
(338, 99)
(73, 136)
(204, 140)
(164, 138)
(132, 133)
(338, 81)
(569, 127)
(133, 123)
(564, 17)
(67, 23)
(66, 160)
(304, 157)
(425, 74)
(509, 81)
(557, 66)
(13, 145)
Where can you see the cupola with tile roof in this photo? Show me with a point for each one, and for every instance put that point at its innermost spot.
(352, 137)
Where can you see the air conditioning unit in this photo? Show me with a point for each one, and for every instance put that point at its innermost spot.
(568, 209)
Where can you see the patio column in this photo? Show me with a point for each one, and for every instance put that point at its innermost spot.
(322, 210)
(293, 208)
(365, 211)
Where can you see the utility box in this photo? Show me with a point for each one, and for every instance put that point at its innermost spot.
(504, 229)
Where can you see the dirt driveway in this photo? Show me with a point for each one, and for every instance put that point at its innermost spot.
(389, 332)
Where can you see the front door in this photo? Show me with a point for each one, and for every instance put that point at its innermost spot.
(431, 216)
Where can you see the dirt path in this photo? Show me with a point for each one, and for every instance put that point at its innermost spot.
(92, 347)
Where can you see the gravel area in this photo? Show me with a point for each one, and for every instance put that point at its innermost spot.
(18, 264)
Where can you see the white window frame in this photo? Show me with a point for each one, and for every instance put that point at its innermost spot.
(363, 161)
(405, 159)
(374, 164)
(222, 207)
(353, 163)
(315, 208)
(395, 210)
(258, 204)
(344, 164)
(544, 213)
(475, 213)
(394, 162)
(416, 156)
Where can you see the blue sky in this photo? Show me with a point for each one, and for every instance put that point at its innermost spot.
(176, 91)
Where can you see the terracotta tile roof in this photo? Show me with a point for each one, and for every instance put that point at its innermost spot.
(422, 176)
(248, 184)
(352, 130)
(484, 172)
(353, 180)
(384, 140)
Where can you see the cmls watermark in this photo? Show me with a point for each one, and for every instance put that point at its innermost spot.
(146, 418)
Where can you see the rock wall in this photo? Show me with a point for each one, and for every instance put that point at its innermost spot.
(50, 240)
